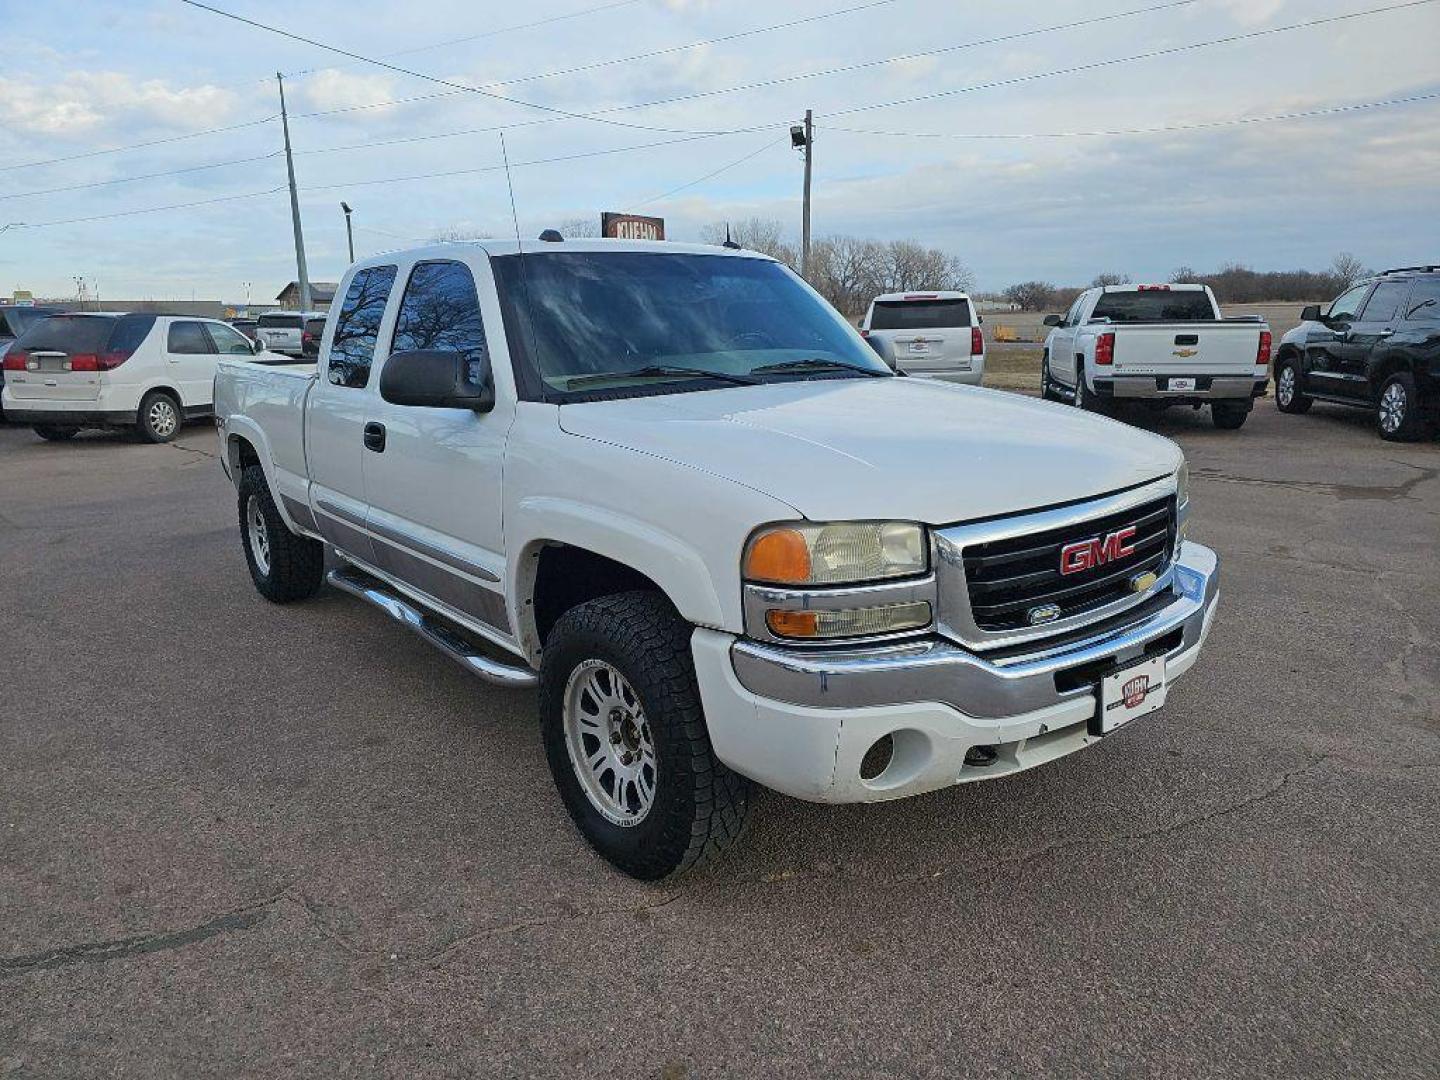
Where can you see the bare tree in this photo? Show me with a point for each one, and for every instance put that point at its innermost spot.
(1101, 280)
(765, 235)
(1182, 275)
(578, 228)
(1030, 295)
(1348, 269)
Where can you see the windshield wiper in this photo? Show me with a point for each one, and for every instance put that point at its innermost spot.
(660, 371)
(817, 363)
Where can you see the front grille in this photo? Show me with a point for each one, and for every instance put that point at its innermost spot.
(1007, 579)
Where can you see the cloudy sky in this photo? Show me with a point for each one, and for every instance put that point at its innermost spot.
(901, 91)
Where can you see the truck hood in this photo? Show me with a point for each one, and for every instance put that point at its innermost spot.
(903, 449)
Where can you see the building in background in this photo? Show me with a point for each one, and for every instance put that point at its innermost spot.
(321, 293)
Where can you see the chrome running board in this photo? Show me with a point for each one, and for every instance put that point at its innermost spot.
(405, 612)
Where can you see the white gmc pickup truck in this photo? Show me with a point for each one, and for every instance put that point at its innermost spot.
(1162, 345)
(673, 488)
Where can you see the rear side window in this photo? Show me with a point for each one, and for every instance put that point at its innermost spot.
(1385, 301)
(920, 314)
(278, 321)
(69, 334)
(187, 338)
(353, 346)
(440, 311)
(1424, 302)
(1155, 305)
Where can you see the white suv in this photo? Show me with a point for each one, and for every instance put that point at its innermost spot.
(154, 372)
(933, 335)
(284, 331)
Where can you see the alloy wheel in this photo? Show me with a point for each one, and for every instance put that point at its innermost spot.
(259, 535)
(1393, 405)
(162, 417)
(1285, 389)
(609, 742)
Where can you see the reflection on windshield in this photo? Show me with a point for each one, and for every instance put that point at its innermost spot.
(596, 316)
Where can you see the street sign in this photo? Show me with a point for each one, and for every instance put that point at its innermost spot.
(631, 226)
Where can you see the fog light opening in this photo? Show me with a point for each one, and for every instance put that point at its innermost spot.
(980, 757)
(877, 759)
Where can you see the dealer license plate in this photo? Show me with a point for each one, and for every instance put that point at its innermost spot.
(920, 346)
(1180, 384)
(1131, 692)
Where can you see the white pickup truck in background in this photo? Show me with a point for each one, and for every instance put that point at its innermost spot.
(675, 490)
(1162, 345)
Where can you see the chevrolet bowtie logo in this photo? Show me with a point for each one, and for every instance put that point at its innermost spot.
(1185, 354)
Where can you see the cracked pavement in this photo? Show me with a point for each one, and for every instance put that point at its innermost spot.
(244, 840)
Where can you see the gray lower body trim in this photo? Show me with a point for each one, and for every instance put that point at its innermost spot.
(476, 601)
(936, 669)
(299, 513)
(434, 551)
(1142, 387)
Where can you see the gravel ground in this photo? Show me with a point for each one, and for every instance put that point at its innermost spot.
(244, 840)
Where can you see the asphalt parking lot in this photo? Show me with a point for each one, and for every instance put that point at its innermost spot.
(244, 840)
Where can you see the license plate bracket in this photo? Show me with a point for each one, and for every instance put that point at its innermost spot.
(1180, 385)
(1129, 693)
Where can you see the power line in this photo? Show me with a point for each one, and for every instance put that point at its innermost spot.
(779, 80)
(145, 210)
(1303, 114)
(1151, 55)
(143, 176)
(428, 78)
(489, 33)
(142, 145)
(709, 175)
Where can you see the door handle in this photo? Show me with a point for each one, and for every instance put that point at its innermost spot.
(375, 437)
(1385, 333)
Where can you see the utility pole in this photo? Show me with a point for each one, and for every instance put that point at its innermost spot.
(294, 203)
(349, 235)
(801, 138)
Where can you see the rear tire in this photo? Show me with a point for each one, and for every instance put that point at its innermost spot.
(1084, 399)
(1288, 398)
(285, 567)
(1397, 414)
(55, 433)
(159, 417)
(617, 697)
(1230, 415)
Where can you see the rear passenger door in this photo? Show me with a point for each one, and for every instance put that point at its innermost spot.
(339, 410)
(434, 485)
(190, 359)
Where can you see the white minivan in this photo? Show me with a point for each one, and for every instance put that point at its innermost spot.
(109, 369)
(932, 335)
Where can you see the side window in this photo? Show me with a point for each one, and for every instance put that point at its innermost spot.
(353, 346)
(187, 338)
(440, 311)
(1385, 301)
(228, 341)
(1424, 302)
(1347, 306)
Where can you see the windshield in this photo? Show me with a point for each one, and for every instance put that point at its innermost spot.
(1155, 305)
(623, 320)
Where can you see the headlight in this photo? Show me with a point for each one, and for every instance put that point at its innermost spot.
(844, 553)
(1182, 484)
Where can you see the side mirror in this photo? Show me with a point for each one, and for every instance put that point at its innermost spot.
(256, 346)
(1054, 320)
(1311, 313)
(437, 379)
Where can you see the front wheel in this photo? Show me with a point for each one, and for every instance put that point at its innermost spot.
(626, 740)
(1229, 415)
(1047, 387)
(1288, 398)
(1398, 410)
(285, 567)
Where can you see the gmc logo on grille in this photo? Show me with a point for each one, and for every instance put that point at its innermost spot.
(1085, 555)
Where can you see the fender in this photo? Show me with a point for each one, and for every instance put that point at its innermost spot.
(288, 488)
(665, 558)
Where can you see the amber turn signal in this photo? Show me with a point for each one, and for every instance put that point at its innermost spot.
(780, 555)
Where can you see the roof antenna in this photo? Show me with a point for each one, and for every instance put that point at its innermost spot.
(728, 242)
(524, 278)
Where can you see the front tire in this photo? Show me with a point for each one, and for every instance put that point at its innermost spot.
(1230, 415)
(626, 740)
(55, 433)
(1047, 388)
(1288, 398)
(1397, 413)
(158, 418)
(285, 567)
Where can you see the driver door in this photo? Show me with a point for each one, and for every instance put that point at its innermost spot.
(433, 478)
(1328, 345)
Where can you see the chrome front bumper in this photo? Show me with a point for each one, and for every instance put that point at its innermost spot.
(1011, 683)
